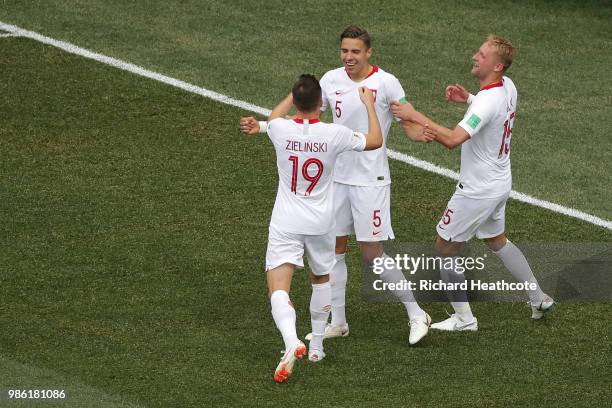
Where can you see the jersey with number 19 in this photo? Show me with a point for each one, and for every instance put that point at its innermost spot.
(341, 95)
(306, 152)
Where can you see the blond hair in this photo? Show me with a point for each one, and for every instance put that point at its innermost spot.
(504, 49)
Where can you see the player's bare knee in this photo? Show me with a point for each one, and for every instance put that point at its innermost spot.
(341, 244)
(370, 251)
(318, 279)
(279, 278)
(496, 243)
(446, 248)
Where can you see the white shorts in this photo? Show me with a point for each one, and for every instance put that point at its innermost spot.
(286, 247)
(465, 217)
(363, 211)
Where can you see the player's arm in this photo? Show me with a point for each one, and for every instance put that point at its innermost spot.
(445, 136)
(459, 94)
(282, 109)
(251, 126)
(394, 93)
(374, 138)
(414, 131)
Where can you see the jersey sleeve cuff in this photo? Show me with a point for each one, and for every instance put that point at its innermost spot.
(263, 126)
(468, 129)
(363, 143)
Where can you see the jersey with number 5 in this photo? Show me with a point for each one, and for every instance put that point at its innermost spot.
(306, 152)
(341, 97)
(485, 157)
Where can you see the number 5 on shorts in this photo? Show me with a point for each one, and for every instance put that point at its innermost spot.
(376, 221)
(446, 216)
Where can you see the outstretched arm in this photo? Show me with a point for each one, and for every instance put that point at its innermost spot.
(447, 137)
(249, 125)
(414, 131)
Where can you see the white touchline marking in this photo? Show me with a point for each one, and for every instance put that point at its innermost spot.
(413, 161)
(4, 35)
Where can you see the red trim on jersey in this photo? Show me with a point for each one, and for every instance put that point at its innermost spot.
(495, 85)
(310, 121)
(372, 72)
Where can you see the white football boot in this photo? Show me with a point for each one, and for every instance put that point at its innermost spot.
(540, 310)
(419, 327)
(331, 331)
(285, 367)
(454, 323)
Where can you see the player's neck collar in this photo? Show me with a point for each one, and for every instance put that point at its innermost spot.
(310, 121)
(493, 85)
(372, 72)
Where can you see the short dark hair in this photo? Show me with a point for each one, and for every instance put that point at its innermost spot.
(306, 93)
(355, 31)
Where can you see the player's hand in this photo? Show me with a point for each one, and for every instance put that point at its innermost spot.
(403, 111)
(366, 96)
(249, 125)
(457, 93)
(429, 134)
(416, 132)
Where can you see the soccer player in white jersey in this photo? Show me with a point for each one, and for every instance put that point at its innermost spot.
(302, 218)
(485, 180)
(362, 197)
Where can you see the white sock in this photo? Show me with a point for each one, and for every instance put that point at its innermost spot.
(458, 298)
(284, 317)
(395, 275)
(517, 264)
(337, 279)
(320, 304)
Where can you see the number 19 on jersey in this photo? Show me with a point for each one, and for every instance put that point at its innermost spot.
(312, 179)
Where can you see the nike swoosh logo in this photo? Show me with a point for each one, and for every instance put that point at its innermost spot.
(376, 233)
(461, 326)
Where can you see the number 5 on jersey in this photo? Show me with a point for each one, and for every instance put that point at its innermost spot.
(338, 109)
(314, 179)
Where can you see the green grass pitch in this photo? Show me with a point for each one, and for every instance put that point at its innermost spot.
(134, 216)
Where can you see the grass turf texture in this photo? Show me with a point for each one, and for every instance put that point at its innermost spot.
(560, 141)
(134, 219)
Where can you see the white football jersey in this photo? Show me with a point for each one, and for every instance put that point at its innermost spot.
(306, 153)
(341, 96)
(485, 157)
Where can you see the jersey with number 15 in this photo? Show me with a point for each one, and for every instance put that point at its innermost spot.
(306, 152)
(485, 157)
(341, 96)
